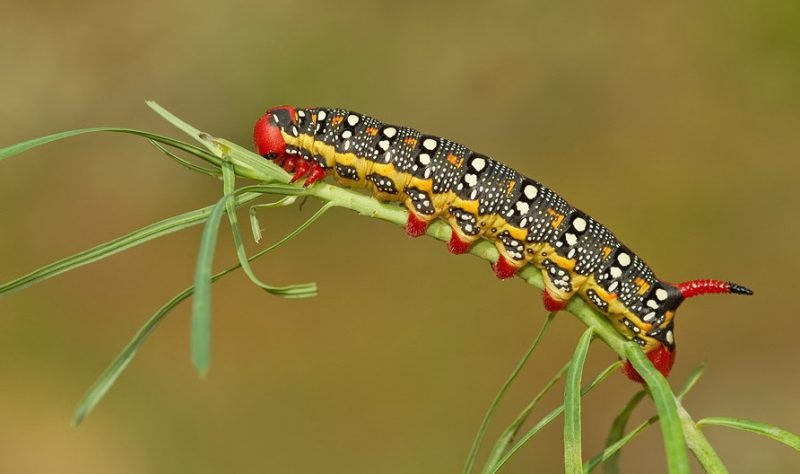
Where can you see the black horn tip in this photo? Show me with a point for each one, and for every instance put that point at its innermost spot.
(739, 289)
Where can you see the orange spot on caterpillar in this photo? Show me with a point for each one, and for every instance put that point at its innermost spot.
(643, 285)
(510, 187)
(337, 119)
(558, 217)
(455, 160)
(606, 252)
(372, 131)
(412, 142)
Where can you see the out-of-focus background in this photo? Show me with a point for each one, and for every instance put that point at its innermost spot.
(674, 124)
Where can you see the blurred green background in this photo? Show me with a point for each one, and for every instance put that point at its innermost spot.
(675, 124)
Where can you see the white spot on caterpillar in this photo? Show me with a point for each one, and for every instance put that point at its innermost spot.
(478, 164)
(389, 132)
(301, 113)
(579, 223)
(652, 304)
(347, 134)
(571, 253)
(353, 120)
(523, 207)
(624, 259)
(321, 115)
(425, 159)
(572, 239)
(427, 173)
(670, 337)
(473, 194)
(471, 179)
(616, 272)
(430, 144)
(530, 191)
(524, 222)
(613, 286)
(649, 316)
(661, 294)
(383, 145)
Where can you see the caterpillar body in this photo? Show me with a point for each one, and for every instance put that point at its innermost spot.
(481, 198)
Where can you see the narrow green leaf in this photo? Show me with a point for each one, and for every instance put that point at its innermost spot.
(255, 226)
(248, 164)
(201, 303)
(213, 172)
(612, 449)
(112, 247)
(473, 452)
(573, 461)
(503, 443)
(551, 416)
(303, 290)
(691, 381)
(24, 146)
(616, 434)
(788, 438)
(674, 444)
(114, 370)
(616, 440)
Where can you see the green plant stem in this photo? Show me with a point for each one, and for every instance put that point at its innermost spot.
(698, 444)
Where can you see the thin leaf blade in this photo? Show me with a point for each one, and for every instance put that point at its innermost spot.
(473, 452)
(201, 303)
(770, 431)
(674, 442)
(573, 462)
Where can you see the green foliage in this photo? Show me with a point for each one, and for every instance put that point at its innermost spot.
(572, 406)
(231, 161)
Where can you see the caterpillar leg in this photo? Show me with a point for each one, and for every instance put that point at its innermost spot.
(661, 357)
(558, 286)
(420, 211)
(458, 244)
(303, 167)
(552, 303)
(511, 257)
(415, 226)
(505, 267)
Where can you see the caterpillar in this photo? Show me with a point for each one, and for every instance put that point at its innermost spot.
(481, 198)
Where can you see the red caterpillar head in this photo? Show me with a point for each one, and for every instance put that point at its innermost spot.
(662, 356)
(268, 134)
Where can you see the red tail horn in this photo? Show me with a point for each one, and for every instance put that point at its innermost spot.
(703, 287)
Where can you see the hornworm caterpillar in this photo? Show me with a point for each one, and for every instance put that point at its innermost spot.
(480, 197)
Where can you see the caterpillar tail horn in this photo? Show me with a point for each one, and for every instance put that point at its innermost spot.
(693, 288)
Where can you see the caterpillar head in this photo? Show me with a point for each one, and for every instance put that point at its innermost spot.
(268, 132)
(663, 355)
